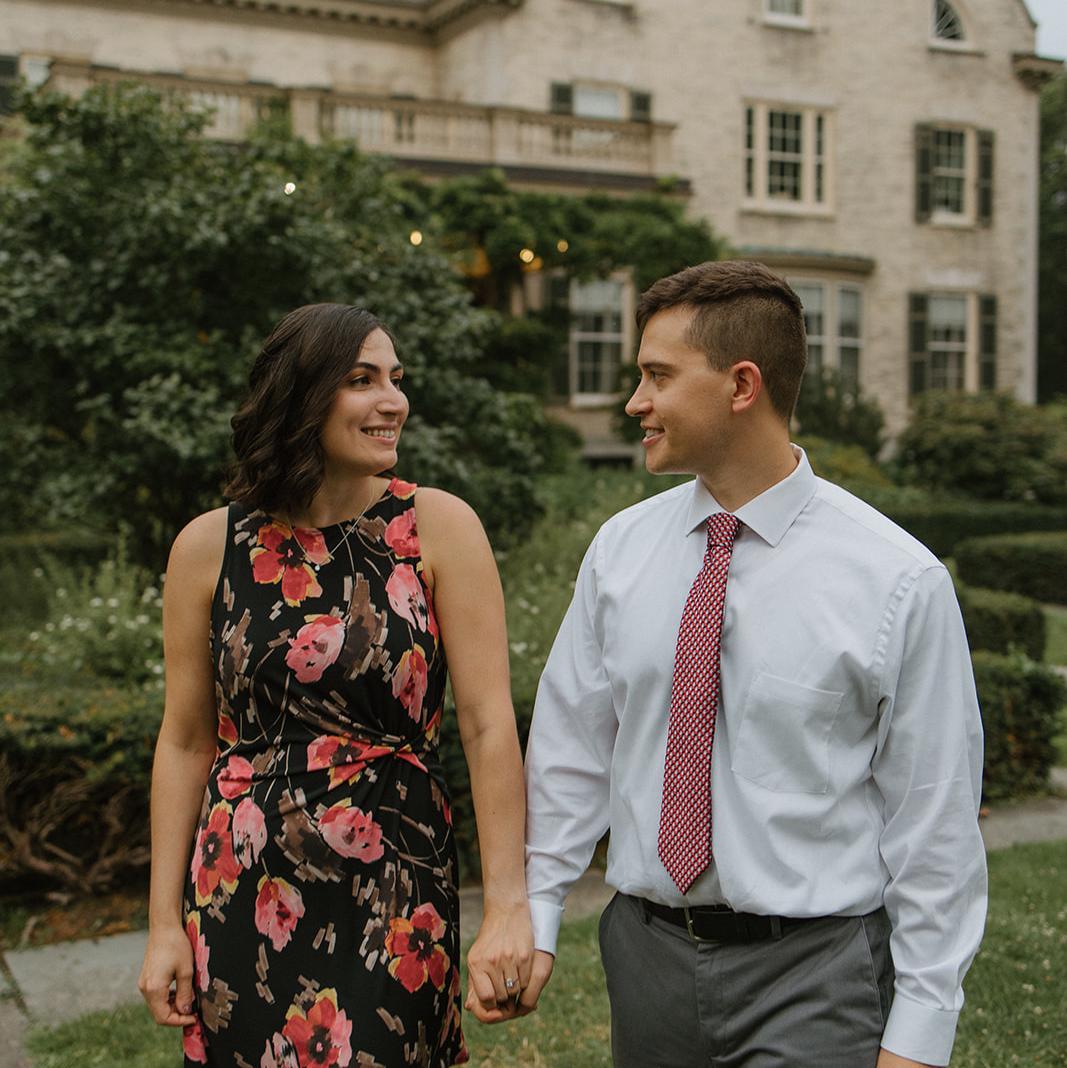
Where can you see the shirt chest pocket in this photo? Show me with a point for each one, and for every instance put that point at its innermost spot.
(783, 742)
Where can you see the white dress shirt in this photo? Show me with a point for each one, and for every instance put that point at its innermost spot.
(847, 762)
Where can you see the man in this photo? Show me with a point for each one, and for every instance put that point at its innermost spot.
(762, 688)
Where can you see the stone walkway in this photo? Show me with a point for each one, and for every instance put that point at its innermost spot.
(61, 982)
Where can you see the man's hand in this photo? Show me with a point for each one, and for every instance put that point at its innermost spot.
(891, 1060)
(499, 963)
(540, 973)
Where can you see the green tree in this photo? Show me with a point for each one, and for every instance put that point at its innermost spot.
(140, 264)
(1052, 250)
(829, 408)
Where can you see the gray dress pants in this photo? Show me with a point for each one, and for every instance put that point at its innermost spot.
(816, 998)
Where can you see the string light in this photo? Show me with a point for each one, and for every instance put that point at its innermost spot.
(290, 188)
(562, 245)
(415, 237)
(527, 255)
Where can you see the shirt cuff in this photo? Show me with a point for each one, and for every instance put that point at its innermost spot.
(545, 917)
(919, 1032)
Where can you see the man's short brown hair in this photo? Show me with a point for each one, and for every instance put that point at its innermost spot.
(743, 312)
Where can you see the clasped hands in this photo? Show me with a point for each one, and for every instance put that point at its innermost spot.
(505, 974)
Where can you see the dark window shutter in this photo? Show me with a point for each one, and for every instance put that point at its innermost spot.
(640, 106)
(557, 291)
(924, 162)
(987, 353)
(9, 74)
(985, 177)
(918, 308)
(562, 98)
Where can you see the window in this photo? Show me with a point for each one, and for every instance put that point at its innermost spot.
(786, 12)
(786, 152)
(953, 175)
(596, 338)
(600, 101)
(953, 342)
(833, 319)
(9, 75)
(947, 24)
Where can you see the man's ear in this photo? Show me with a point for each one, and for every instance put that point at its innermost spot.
(748, 385)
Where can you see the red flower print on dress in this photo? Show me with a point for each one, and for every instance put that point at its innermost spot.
(402, 490)
(401, 535)
(351, 832)
(287, 555)
(278, 908)
(410, 680)
(213, 861)
(345, 757)
(201, 950)
(193, 1043)
(413, 948)
(235, 778)
(249, 832)
(227, 731)
(315, 647)
(279, 1053)
(406, 597)
(322, 1037)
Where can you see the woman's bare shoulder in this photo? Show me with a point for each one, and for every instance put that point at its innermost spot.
(199, 548)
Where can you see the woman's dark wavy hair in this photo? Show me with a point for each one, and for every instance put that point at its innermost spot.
(279, 463)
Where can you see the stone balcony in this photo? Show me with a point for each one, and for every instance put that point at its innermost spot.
(439, 137)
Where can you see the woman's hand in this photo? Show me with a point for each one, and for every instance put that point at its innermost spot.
(499, 963)
(168, 959)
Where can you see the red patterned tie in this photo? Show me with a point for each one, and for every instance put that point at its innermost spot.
(685, 816)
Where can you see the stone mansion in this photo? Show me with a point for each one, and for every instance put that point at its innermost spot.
(883, 156)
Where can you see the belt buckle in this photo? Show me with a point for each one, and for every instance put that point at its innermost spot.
(689, 927)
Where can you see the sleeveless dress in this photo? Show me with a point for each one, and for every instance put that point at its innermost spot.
(321, 898)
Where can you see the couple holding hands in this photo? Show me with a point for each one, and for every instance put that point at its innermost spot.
(761, 688)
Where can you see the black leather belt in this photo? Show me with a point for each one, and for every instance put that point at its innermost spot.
(717, 923)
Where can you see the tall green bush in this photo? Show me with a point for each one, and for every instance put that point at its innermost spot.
(987, 446)
(1002, 622)
(830, 408)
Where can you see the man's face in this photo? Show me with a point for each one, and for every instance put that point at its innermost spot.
(683, 404)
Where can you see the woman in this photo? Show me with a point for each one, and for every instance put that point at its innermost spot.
(318, 924)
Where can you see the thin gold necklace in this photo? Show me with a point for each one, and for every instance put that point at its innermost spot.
(352, 524)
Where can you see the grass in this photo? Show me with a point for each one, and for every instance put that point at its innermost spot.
(1013, 1017)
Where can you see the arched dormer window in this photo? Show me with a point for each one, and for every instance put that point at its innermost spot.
(948, 26)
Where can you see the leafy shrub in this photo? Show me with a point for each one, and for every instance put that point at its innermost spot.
(846, 465)
(1034, 565)
(1002, 622)
(829, 408)
(1021, 703)
(986, 445)
(105, 623)
(75, 766)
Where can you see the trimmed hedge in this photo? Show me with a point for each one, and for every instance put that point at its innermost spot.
(1034, 565)
(75, 767)
(1002, 622)
(942, 524)
(1021, 703)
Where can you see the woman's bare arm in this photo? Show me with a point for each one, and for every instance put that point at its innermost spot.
(185, 751)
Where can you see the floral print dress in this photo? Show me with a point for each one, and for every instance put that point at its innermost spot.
(321, 898)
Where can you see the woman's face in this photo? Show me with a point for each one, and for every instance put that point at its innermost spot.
(362, 427)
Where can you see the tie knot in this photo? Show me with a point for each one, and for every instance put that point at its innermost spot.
(722, 529)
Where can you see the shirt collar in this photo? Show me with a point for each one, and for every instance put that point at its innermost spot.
(770, 514)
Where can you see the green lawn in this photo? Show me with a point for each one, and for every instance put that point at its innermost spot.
(1013, 1017)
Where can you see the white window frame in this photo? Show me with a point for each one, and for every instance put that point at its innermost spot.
(758, 158)
(972, 341)
(831, 340)
(801, 21)
(967, 217)
(624, 338)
